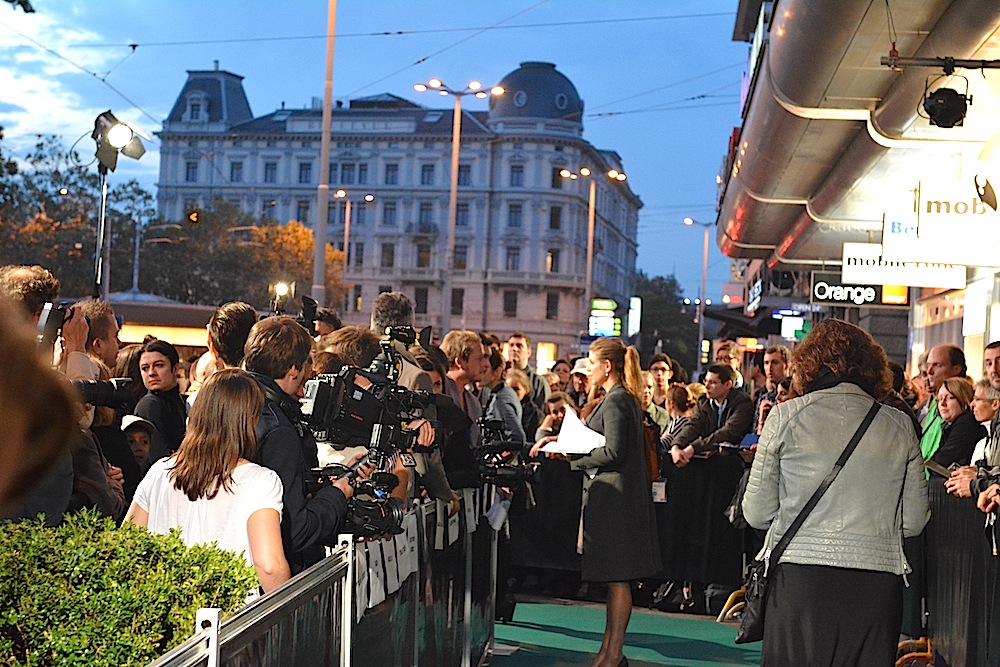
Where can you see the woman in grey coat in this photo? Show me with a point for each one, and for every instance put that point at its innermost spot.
(619, 529)
(835, 597)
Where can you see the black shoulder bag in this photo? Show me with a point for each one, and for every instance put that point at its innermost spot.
(752, 624)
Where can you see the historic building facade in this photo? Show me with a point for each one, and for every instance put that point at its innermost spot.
(520, 250)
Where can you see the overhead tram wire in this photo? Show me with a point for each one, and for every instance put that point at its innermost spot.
(672, 84)
(404, 33)
(610, 114)
(86, 71)
(447, 48)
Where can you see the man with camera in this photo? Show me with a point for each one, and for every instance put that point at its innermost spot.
(277, 353)
(394, 309)
(35, 290)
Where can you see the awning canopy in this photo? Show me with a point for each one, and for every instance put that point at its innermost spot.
(832, 139)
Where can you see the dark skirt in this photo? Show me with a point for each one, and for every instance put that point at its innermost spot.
(831, 616)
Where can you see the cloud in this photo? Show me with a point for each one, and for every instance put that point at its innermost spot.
(45, 94)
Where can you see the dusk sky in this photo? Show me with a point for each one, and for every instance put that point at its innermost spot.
(660, 80)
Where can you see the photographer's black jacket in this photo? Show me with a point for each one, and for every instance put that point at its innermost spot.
(167, 411)
(287, 447)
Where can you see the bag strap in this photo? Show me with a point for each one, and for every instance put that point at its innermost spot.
(832, 475)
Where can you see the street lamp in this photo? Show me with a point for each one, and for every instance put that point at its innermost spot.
(474, 88)
(585, 172)
(112, 136)
(342, 194)
(704, 277)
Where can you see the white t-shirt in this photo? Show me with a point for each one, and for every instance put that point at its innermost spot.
(223, 519)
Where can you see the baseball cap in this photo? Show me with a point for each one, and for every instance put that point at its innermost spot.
(128, 421)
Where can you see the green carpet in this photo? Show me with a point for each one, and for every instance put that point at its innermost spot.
(552, 635)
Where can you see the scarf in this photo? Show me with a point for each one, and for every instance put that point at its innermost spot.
(931, 438)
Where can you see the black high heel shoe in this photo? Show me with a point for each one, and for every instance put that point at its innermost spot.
(624, 662)
(505, 609)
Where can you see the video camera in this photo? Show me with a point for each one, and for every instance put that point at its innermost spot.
(367, 407)
(499, 459)
(371, 510)
(111, 393)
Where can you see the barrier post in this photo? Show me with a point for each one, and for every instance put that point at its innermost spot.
(206, 621)
(347, 602)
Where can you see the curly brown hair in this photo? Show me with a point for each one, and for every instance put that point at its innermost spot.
(848, 352)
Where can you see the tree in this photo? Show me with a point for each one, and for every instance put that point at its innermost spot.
(231, 255)
(666, 320)
(49, 216)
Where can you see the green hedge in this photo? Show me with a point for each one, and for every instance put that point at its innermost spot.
(89, 593)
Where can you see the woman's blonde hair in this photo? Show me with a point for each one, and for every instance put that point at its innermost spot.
(624, 362)
(962, 389)
(222, 429)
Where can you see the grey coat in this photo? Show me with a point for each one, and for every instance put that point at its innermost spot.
(619, 527)
(879, 498)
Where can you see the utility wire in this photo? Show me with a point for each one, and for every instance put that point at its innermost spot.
(447, 48)
(670, 85)
(664, 108)
(83, 69)
(667, 106)
(403, 33)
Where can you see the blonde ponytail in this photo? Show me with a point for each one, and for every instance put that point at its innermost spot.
(632, 377)
(624, 362)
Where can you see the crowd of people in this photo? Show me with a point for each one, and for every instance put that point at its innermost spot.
(217, 446)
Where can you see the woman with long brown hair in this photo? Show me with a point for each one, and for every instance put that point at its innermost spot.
(210, 489)
(619, 529)
(835, 595)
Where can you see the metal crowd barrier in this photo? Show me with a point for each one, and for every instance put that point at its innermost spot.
(424, 597)
(963, 604)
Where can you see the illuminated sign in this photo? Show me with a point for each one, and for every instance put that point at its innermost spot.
(864, 265)
(602, 320)
(603, 304)
(791, 326)
(634, 315)
(753, 297)
(945, 224)
(828, 288)
(605, 325)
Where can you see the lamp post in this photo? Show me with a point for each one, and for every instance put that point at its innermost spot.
(474, 88)
(318, 289)
(111, 136)
(342, 194)
(704, 277)
(585, 172)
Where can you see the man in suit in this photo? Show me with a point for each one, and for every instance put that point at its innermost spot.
(721, 415)
(519, 352)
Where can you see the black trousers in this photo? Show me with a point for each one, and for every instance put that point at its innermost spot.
(830, 616)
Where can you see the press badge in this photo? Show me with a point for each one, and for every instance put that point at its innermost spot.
(660, 491)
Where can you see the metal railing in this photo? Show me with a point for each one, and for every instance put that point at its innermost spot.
(441, 614)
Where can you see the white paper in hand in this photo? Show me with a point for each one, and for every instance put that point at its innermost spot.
(574, 437)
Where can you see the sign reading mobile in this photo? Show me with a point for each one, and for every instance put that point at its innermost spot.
(828, 288)
(864, 265)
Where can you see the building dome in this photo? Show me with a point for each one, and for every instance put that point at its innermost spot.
(537, 90)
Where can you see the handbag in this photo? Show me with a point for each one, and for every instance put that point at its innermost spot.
(752, 622)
